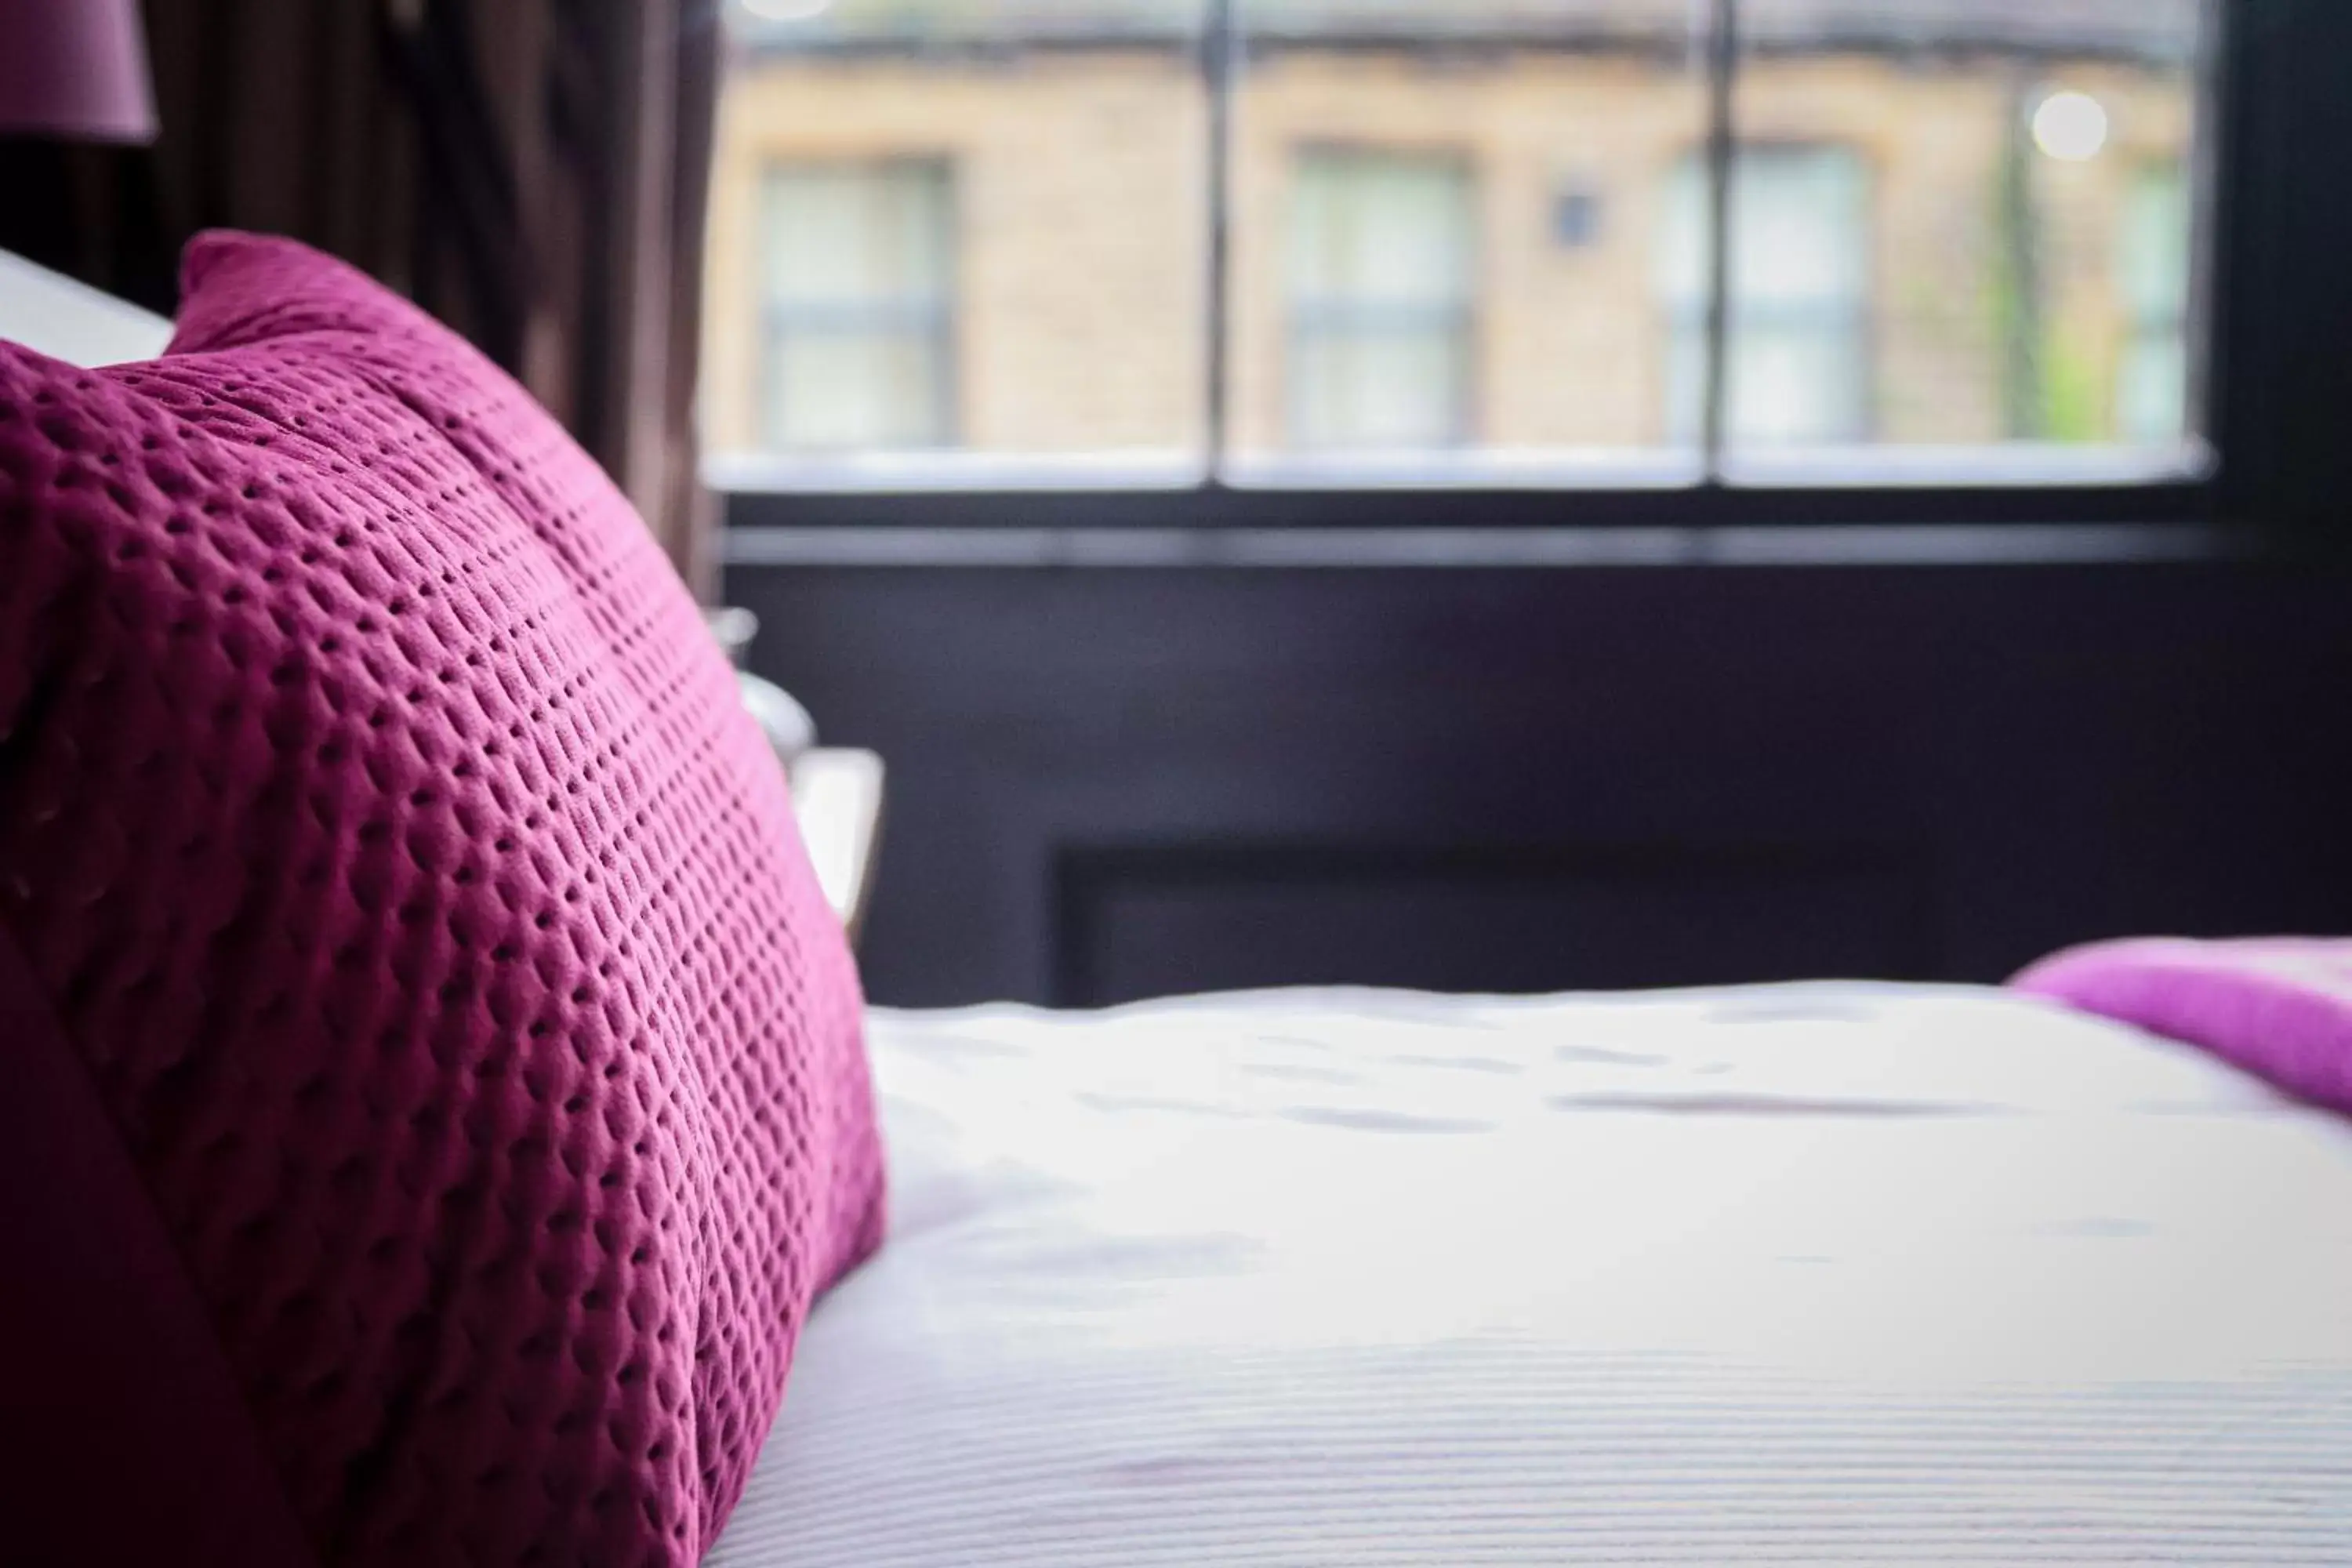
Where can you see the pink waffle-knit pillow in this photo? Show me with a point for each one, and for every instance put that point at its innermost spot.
(423, 993)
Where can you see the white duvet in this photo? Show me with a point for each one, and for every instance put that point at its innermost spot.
(1830, 1273)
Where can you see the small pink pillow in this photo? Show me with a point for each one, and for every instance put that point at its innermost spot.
(381, 834)
(2280, 1008)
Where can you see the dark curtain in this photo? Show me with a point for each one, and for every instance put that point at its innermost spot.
(534, 172)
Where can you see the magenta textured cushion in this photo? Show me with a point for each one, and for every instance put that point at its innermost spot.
(380, 832)
(2280, 1008)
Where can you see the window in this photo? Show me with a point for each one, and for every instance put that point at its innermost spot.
(1381, 279)
(1433, 243)
(858, 267)
(1797, 349)
(2152, 382)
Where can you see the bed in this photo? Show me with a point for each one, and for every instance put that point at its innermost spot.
(1818, 1273)
(1802, 1274)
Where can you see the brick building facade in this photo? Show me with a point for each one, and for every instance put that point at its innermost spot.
(996, 245)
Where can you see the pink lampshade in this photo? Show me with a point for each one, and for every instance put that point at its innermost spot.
(75, 68)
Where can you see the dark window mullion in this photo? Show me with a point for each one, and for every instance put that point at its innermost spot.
(1722, 69)
(1219, 63)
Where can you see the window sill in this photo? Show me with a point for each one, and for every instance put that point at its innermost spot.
(2014, 464)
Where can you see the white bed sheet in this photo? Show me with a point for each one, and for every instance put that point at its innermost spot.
(1829, 1273)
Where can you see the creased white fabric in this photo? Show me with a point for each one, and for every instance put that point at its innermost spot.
(1831, 1273)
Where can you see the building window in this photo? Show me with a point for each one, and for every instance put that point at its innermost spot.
(1379, 299)
(1796, 356)
(2152, 377)
(857, 269)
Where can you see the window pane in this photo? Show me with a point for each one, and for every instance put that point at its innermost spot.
(1380, 228)
(1379, 386)
(2001, 249)
(872, 388)
(843, 232)
(1445, 220)
(859, 306)
(1379, 301)
(2152, 386)
(952, 232)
